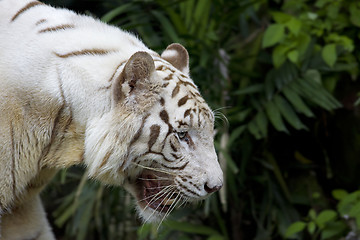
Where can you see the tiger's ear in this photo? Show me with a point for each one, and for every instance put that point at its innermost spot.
(134, 77)
(178, 56)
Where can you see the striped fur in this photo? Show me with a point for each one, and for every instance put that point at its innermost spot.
(76, 91)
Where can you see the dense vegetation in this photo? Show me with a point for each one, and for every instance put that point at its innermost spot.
(285, 75)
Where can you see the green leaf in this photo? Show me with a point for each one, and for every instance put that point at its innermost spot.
(355, 210)
(333, 229)
(354, 14)
(315, 93)
(235, 134)
(261, 122)
(201, 16)
(346, 42)
(322, 3)
(84, 218)
(312, 16)
(288, 113)
(191, 228)
(312, 214)
(176, 20)
(269, 84)
(329, 54)
(314, 75)
(61, 219)
(258, 127)
(294, 26)
(347, 202)
(297, 102)
(357, 218)
(320, 94)
(295, 228)
(144, 231)
(273, 35)
(281, 17)
(303, 41)
(240, 116)
(117, 12)
(254, 130)
(324, 217)
(187, 12)
(284, 75)
(293, 56)
(279, 54)
(311, 227)
(216, 237)
(255, 88)
(168, 28)
(274, 115)
(278, 174)
(339, 194)
(357, 102)
(229, 161)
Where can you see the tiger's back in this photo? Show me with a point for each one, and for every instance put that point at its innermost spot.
(73, 91)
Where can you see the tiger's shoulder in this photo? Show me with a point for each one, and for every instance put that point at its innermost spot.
(45, 28)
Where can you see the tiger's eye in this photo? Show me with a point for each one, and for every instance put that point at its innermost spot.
(182, 135)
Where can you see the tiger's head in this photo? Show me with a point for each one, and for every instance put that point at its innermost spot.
(157, 139)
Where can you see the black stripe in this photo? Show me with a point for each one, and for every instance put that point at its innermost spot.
(175, 91)
(186, 188)
(169, 77)
(183, 100)
(154, 134)
(106, 157)
(173, 147)
(175, 156)
(112, 76)
(188, 83)
(46, 149)
(139, 131)
(157, 153)
(57, 28)
(40, 22)
(187, 112)
(55, 130)
(194, 185)
(164, 116)
(13, 159)
(85, 52)
(184, 179)
(176, 168)
(162, 101)
(24, 9)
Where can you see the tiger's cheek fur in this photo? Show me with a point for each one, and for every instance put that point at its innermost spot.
(108, 150)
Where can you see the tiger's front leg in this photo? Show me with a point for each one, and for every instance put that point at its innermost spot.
(27, 221)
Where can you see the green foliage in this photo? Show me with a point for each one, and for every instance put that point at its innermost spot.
(331, 224)
(284, 75)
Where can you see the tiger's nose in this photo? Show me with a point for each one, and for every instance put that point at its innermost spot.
(210, 189)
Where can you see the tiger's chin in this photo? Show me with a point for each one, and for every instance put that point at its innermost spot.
(156, 195)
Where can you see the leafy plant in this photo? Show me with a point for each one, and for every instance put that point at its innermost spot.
(330, 224)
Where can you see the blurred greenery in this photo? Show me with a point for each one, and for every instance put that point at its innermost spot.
(285, 75)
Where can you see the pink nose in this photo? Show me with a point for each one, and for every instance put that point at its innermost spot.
(212, 189)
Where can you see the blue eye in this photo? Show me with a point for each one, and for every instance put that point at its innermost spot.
(182, 135)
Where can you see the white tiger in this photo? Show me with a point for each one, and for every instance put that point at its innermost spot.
(73, 91)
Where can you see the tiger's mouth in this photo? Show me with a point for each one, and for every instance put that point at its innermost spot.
(156, 191)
